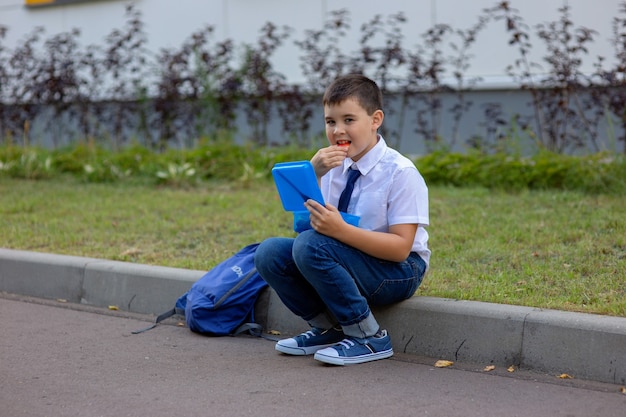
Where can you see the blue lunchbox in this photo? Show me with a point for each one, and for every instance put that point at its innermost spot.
(296, 183)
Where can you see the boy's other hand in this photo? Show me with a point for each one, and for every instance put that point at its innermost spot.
(328, 158)
(325, 219)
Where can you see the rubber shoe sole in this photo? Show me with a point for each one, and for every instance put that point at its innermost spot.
(330, 356)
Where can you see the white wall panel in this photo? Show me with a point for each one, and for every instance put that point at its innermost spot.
(169, 22)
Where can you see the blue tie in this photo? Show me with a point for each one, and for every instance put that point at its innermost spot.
(344, 199)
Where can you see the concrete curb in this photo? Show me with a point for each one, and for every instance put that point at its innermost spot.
(585, 346)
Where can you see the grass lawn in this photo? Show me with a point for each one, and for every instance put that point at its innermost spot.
(550, 249)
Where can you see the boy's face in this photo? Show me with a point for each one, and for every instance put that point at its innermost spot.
(348, 122)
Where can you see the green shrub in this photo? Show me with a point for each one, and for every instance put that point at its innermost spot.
(603, 173)
(27, 163)
(104, 171)
(598, 173)
(179, 175)
(72, 159)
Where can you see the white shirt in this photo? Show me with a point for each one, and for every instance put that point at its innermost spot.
(389, 191)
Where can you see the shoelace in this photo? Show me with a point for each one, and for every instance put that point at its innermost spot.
(308, 334)
(347, 343)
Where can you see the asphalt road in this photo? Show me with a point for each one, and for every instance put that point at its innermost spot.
(58, 359)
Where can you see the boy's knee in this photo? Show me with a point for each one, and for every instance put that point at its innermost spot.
(304, 245)
(259, 257)
(266, 253)
(311, 246)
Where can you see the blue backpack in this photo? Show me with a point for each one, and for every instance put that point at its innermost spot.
(222, 301)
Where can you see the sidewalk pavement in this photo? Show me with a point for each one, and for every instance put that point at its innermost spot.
(585, 346)
(83, 361)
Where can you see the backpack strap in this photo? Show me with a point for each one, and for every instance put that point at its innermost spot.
(254, 329)
(159, 319)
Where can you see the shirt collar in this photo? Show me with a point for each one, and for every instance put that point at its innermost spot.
(370, 159)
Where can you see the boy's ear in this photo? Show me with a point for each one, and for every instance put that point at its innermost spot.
(377, 119)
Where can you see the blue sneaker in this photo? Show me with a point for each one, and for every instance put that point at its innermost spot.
(357, 350)
(310, 342)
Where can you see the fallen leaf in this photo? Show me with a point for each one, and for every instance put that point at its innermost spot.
(61, 300)
(114, 308)
(622, 390)
(180, 324)
(511, 368)
(274, 332)
(131, 252)
(566, 376)
(489, 368)
(443, 363)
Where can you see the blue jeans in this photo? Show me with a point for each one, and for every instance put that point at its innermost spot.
(327, 282)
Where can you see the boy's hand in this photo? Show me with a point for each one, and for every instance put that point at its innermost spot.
(328, 158)
(325, 219)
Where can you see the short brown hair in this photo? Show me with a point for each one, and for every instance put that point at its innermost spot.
(356, 86)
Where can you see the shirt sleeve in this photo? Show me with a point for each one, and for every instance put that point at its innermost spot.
(408, 198)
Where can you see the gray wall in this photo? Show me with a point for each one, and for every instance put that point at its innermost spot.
(400, 128)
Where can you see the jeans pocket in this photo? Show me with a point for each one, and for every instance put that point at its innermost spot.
(394, 290)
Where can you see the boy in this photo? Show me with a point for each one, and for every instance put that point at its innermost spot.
(329, 275)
